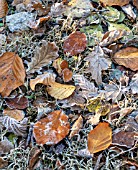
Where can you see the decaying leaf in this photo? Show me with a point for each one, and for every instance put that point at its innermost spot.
(127, 57)
(43, 56)
(12, 73)
(114, 2)
(3, 163)
(47, 78)
(5, 146)
(16, 114)
(3, 8)
(67, 75)
(18, 102)
(60, 91)
(12, 125)
(99, 138)
(98, 61)
(111, 36)
(75, 43)
(76, 127)
(123, 138)
(134, 84)
(52, 129)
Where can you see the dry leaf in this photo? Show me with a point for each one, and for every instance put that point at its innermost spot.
(75, 43)
(67, 75)
(3, 163)
(52, 129)
(123, 138)
(18, 102)
(12, 73)
(12, 125)
(47, 78)
(135, 3)
(60, 91)
(94, 120)
(111, 36)
(76, 127)
(43, 56)
(16, 114)
(98, 61)
(99, 138)
(114, 2)
(128, 9)
(5, 146)
(3, 8)
(127, 57)
(88, 88)
(60, 65)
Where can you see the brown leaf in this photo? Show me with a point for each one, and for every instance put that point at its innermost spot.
(41, 10)
(76, 127)
(135, 3)
(43, 56)
(94, 120)
(12, 73)
(123, 138)
(3, 163)
(17, 102)
(16, 114)
(5, 146)
(3, 8)
(127, 57)
(111, 36)
(60, 65)
(52, 129)
(45, 79)
(99, 138)
(67, 75)
(114, 2)
(75, 43)
(60, 91)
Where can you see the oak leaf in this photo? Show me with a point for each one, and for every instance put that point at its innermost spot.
(75, 43)
(60, 91)
(127, 57)
(97, 61)
(52, 129)
(43, 56)
(99, 138)
(3, 8)
(114, 2)
(12, 73)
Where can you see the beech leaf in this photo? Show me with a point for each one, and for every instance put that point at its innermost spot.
(52, 129)
(12, 73)
(99, 138)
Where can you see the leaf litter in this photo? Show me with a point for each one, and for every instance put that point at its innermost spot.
(76, 108)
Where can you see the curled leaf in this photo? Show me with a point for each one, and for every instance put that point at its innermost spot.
(12, 73)
(52, 129)
(99, 138)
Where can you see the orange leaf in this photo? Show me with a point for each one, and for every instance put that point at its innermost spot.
(114, 2)
(75, 43)
(52, 129)
(60, 65)
(127, 57)
(16, 114)
(99, 138)
(3, 8)
(12, 73)
(67, 75)
(60, 91)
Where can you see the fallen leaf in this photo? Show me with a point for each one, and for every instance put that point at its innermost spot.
(57, 9)
(98, 61)
(94, 120)
(18, 102)
(3, 8)
(97, 141)
(115, 26)
(3, 163)
(52, 129)
(12, 73)
(135, 3)
(60, 65)
(45, 79)
(75, 43)
(12, 125)
(43, 56)
(41, 10)
(16, 114)
(5, 146)
(123, 138)
(76, 127)
(67, 75)
(111, 36)
(127, 57)
(60, 91)
(128, 9)
(134, 84)
(114, 2)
